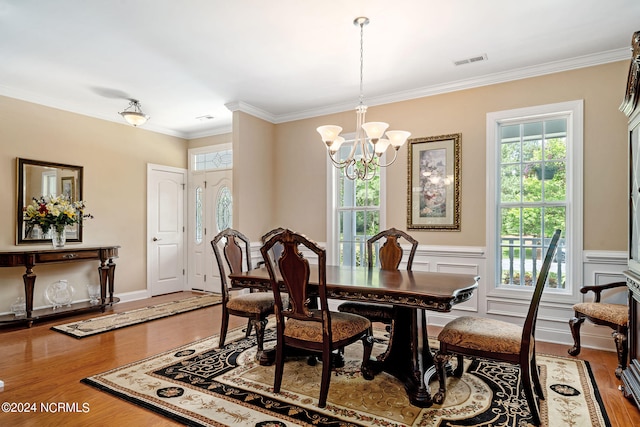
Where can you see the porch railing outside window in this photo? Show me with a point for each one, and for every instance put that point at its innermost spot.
(526, 254)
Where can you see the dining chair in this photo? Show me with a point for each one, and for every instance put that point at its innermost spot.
(389, 257)
(276, 251)
(614, 316)
(256, 306)
(300, 326)
(498, 340)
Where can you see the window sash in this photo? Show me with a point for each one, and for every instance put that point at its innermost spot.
(572, 111)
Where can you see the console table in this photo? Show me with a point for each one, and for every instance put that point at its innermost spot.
(30, 258)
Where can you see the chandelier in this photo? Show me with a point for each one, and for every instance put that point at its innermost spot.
(133, 113)
(369, 145)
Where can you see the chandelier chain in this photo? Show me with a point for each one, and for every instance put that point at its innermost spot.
(361, 61)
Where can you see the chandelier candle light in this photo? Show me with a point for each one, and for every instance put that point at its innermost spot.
(369, 145)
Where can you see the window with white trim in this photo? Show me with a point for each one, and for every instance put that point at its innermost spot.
(355, 213)
(534, 164)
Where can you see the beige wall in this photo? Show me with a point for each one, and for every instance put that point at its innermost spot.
(114, 157)
(280, 170)
(301, 161)
(253, 172)
(210, 140)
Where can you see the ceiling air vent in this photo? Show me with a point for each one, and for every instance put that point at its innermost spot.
(473, 59)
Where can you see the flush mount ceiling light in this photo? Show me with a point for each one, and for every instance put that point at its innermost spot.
(369, 145)
(133, 113)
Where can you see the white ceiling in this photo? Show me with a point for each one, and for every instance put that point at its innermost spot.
(287, 59)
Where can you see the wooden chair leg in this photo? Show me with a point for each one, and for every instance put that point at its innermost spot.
(620, 338)
(526, 374)
(223, 328)
(259, 325)
(249, 325)
(441, 360)
(574, 324)
(460, 368)
(326, 379)
(536, 378)
(277, 380)
(367, 371)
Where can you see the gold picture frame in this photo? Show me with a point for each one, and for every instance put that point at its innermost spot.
(433, 189)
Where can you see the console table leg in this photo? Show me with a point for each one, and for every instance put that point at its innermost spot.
(103, 271)
(29, 279)
(110, 277)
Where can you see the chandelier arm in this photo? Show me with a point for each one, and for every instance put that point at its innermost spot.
(370, 171)
(339, 163)
(354, 172)
(395, 156)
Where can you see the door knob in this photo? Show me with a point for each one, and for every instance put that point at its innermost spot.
(155, 239)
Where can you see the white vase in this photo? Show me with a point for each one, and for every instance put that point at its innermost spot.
(58, 238)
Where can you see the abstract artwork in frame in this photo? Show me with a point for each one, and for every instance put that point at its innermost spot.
(433, 199)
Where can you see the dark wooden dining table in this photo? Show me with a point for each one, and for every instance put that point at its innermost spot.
(409, 357)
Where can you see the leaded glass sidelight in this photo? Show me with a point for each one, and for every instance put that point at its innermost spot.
(199, 229)
(224, 211)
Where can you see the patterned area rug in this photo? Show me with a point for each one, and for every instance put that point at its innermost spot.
(98, 325)
(200, 385)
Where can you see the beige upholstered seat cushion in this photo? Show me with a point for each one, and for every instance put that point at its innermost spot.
(256, 302)
(612, 313)
(478, 333)
(343, 325)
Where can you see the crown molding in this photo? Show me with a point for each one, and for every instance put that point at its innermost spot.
(489, 79)
(250, 109)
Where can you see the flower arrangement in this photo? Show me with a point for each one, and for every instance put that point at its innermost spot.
(54, 212)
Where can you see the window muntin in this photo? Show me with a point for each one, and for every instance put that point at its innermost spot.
(531, 199)
(356, 208)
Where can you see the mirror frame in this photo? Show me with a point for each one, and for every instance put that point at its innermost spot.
(20, 198)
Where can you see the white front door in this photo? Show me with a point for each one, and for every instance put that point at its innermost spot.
(165, 229)
(219, 217)
(210, 194)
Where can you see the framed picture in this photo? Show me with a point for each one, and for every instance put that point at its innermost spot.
(433, 199)
(68, 188)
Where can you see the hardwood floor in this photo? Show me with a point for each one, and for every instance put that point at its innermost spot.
(43, 367)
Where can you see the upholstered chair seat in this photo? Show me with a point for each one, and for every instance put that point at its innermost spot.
(257, 303)
(498, 340)
(482, 334)
(615, 316)
(343, 326)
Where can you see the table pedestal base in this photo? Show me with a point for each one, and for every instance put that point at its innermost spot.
(409, 342)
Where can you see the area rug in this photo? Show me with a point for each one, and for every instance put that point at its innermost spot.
(98, 325)
(200, 385)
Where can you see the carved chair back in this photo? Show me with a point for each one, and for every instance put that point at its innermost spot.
(237, 247)
(390, 253)
(293, 270)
